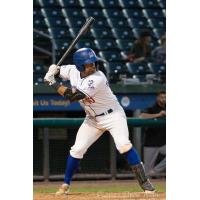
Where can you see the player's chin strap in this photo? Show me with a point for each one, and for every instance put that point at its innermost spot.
(67, 92)
(142, 178)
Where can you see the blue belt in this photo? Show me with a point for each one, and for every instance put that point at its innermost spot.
(105, 113)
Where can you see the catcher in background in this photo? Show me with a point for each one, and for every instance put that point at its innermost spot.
(90, 87)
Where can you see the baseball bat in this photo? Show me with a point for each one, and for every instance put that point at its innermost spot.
(85, 28)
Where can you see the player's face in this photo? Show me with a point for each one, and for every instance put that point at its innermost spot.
(161, 99)
(89, 69)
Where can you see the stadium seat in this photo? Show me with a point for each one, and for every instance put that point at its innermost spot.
(74, 32)
(159, 23)
(56, 22)
(75, 22)
(90, 4)
(70, 3)
(111, 56)
(62, 43)
(60, 33)
(138, 23)
(49, 3)
(149, 4)
(154, 43)
(125, 33)
(106, 44)
(101, 23)
(110, 3)
(118, 23)
(130, 4)
(113, 13)
(96, 13)
(116, 71)
(138, 68)
(52, 12)
(72, 12)
(102, 33)
(86, 43)
(159, 32)
(125, 45)
(39, 22)
(38, 79)
(132, 13)
(162, 3)
(38, 69)
(158, 69)
(37, 12)
(38, 37)
(153, 13)
(36, 4)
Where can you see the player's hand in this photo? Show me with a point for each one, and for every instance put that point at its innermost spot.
(49, 78)
(162, 113)
(54, 69)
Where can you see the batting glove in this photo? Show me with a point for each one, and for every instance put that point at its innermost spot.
(49, 78)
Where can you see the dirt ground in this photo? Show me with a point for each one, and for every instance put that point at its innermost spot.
(40, 195)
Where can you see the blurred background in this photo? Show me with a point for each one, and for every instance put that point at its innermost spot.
(130, 37)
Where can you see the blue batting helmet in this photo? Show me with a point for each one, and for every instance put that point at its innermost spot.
(84, 56)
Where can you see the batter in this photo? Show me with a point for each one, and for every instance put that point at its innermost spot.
(90, 87)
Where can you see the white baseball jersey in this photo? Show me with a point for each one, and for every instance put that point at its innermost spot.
(99, 97)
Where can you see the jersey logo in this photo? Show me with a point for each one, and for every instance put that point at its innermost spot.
(90, 84)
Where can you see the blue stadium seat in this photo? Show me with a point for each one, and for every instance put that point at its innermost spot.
(37, 12)
(72, 12)
(96, 13)
(39, 22)
(38, 79)
(118, 23)
(132, 13)
(70, 3)
(90, 4)
(153, 13)
(111, 56)
(106, 44)
(158, 69)
(162, 3)
(37, 37)
(62, 43)
(154, 43)
(149, 4)
(102, 33)
(56, 22)
(138, 68)
(52, 12)
(38, 69)
(74, 32)
(138, 23)
(125, 45)
(49, 3)
(110, 3)
(75, 22)
(86, 43)
(101, 23)
(159, 23)
(159, 32)
(130, 4)
(113, 13)
(60, 33)
(125, 33)
(116, 71)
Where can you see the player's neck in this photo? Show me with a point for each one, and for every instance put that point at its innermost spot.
(85, 74)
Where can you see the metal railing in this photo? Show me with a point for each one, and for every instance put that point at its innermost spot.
(46, 123)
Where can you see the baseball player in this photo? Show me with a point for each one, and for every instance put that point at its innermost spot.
(90, 87)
